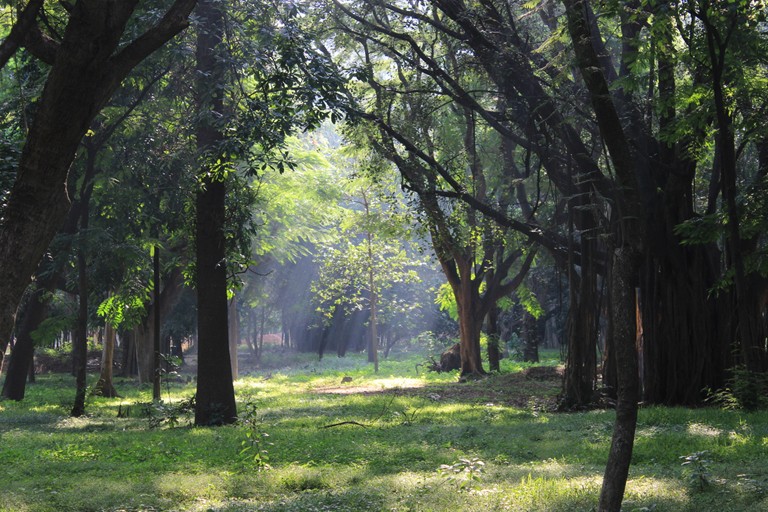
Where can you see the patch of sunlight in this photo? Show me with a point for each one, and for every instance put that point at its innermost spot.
(645, 485)
(737, 438)
(178, 487)
(13, 503)
(399, 382)
(544, 493)
(250, 384)
(69, 422)
(649, 431)
(366, 386)
(667, 491)
(555, 469)
(448, 408)
(700, 429)
(765, 441)
(46, 408)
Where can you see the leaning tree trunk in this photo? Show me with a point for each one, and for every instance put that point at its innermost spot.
(215, 400)
(625, 259)
(23, 352)
(622, 292)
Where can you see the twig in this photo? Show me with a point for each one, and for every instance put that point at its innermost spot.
(345, 423)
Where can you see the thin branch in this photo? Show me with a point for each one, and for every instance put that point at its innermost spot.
(344, 423)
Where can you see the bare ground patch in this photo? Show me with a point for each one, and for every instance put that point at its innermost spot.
(536, 386)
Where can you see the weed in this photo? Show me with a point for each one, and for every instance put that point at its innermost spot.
(744, 390)
(407, 416)
(467, 472)
(168, 370)
(159, 413)
(252, 453)
(696, 469)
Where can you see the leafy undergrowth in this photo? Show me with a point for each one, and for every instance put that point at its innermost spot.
(399, 440)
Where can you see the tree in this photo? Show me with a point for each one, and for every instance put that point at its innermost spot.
(626, 257)
(215, 399)
(441, 148)
(290, 86)
(87, 67)
(366, 259)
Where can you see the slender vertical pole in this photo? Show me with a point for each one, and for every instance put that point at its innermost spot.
(156, 325)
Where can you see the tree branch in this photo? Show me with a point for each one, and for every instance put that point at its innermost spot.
(17, 35)
(174, 21)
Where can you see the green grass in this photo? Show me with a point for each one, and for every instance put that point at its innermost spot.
(408, 424)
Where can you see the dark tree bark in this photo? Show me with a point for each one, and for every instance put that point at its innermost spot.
(751, 339)
(623, 273)
(87, 67)
(22, 356)
(492, 330)
(531, 338)
(583, 315)
(129, 364)
(80, 340)
(156, 323)
(625, 265)
(215, 400)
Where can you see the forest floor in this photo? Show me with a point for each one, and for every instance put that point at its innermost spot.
(332, 435)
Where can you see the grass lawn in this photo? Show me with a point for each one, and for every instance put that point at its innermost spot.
(399, 440)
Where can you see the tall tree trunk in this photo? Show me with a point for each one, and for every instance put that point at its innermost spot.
(262, 326)
(156, 370)
(685, 346)
(625, 260)
(751, 342)
(373, 347)
(80, 341)
(215, 400)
